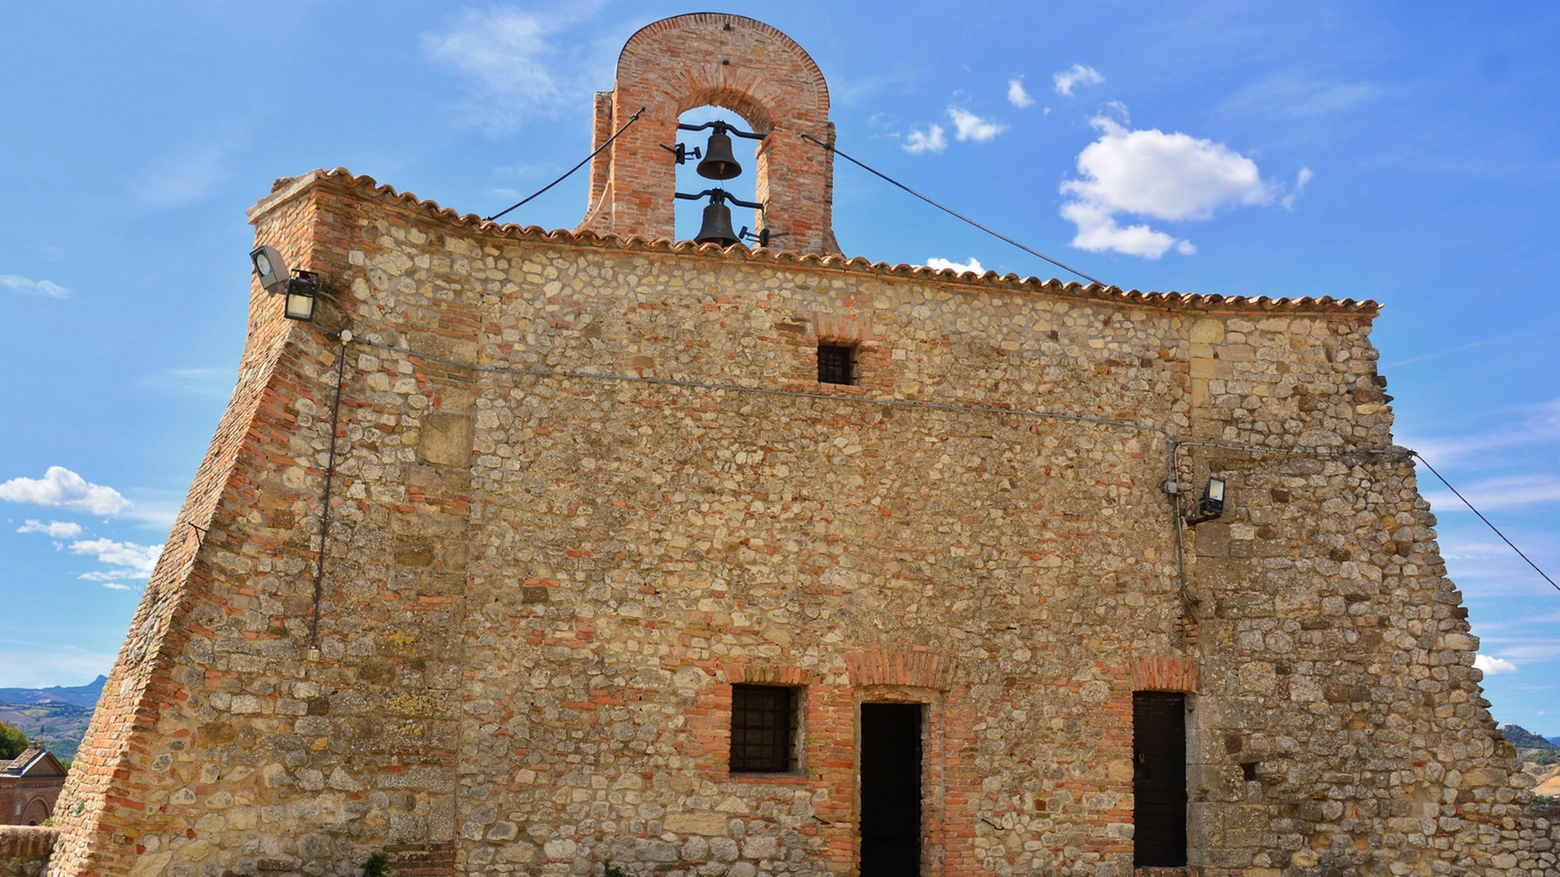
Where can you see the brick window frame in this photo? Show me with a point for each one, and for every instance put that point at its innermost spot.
(837, 363)
(766, 729)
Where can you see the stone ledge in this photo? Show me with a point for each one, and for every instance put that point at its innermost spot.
(25, 849)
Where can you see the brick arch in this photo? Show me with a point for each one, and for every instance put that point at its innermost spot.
(36, 811)
(730, 61)
(1165, 673)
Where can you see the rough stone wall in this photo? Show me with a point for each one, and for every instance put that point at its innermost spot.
(24, 849)
(1343, 729)
(689, 61)
(583, 488)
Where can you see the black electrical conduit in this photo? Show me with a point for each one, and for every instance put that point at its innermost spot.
(330, 471)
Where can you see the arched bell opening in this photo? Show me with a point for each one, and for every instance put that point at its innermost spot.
(726, 161)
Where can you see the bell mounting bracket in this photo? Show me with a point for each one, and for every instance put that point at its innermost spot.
(721, 127)
(682, 152)
(719, 196)
(762, 237)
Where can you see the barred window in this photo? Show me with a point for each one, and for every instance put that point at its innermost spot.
(763, 728)
(836, 364)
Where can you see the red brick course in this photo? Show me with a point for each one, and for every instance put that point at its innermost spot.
(1168, 673)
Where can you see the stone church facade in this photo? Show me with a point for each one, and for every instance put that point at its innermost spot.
(610, 575)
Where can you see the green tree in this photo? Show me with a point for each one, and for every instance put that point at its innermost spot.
(12, 742)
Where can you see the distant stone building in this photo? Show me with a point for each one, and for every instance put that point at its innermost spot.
(707, 561)
(29, 787)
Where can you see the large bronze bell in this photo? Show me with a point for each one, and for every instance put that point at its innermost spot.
(719, 163)
(717, 221)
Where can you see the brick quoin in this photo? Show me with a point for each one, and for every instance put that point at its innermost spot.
(729, 61)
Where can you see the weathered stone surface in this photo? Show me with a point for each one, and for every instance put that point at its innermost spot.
(583, 486)
(24, 849)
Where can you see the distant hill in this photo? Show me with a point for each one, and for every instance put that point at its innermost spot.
(56, 717)
(1531, 747)
(80, 695)
(60, 726)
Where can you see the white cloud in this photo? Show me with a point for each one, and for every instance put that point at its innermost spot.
(1546, 649)
(55, 529)
(517, 61)
(25, 286)
(1079, 74)
(1493, 666)
(155, 514)
(214, 382)
(1297, 93)
(972, 127)
(63, 488)
(931, 140)
(1540, 423)
(1017, 96)
(35, 665)
(132, 561)
(115, 586)
(1160, 176)
(941, 264)
(53, 254)
(1098, 232)
(185, 176)
(1302, 180)
(1496, 493)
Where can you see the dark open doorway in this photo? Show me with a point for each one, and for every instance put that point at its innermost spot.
(890, 789)
(1159, 778)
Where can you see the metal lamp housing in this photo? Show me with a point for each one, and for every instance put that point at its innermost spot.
(271, 268)
(1212, 502)
(302, 295)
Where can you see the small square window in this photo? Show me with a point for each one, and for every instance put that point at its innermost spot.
(836, 364)
(763, 728)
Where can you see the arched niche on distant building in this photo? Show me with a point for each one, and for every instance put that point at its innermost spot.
(36, 811)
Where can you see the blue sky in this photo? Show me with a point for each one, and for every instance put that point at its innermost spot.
(1405, 152)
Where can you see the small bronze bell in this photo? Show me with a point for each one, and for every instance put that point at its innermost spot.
(717, 221)
(719, 163)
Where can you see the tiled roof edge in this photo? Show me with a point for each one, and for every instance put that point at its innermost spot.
(855, 264)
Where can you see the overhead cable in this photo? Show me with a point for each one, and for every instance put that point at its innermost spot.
(522, 202)
(1487, 521)
(999, 236)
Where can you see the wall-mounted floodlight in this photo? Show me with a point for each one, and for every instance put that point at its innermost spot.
(301, 288)
(271, 268)
(1211, 505)
(302, 293)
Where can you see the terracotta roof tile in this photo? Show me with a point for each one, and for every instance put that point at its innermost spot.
(345, 179)
(20, 762)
